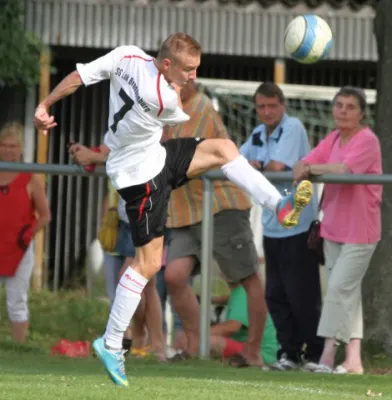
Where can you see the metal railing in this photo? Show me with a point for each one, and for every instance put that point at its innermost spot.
(207, 220)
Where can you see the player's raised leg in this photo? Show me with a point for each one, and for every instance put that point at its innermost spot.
(128, 294)
(213, 153)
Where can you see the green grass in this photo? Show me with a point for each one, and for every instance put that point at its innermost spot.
(30, 372)
(71, 315)
(33, 375)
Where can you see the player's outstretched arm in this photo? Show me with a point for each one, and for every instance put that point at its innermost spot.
(66, 87)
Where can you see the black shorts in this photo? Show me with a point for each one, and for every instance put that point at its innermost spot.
(146, 204)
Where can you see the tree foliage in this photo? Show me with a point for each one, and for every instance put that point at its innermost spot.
(20, 50)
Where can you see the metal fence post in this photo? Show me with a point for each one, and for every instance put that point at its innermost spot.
(206, 271)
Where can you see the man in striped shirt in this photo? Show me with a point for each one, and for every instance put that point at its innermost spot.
(233, 239)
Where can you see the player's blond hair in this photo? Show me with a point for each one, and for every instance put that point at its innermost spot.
(179, 43)
(13, 129)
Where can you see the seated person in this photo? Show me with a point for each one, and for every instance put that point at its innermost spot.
(228, 338)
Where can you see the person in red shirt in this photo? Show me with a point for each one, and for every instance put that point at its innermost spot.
(24, 210)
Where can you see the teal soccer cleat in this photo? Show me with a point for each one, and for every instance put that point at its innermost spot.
(113, 362)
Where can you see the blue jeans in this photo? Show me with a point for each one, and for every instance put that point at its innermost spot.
(112, 267)
(114, 261)
(125, 246)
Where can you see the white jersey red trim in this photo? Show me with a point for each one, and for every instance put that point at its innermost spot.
(159, 94)
(141, 103)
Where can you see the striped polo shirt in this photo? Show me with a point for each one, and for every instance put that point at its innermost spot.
(185, 206)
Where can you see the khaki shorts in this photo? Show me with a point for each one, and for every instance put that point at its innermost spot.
(233, 249)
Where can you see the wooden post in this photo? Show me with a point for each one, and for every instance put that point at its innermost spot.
(279, 71)
(42, 158)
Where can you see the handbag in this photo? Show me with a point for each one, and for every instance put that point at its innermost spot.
(108, 230)
(315, 241)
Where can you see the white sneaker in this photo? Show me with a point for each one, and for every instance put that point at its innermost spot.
(170, 352)
(309, 366)
(284, 364)
(341, 370)
(323, 369)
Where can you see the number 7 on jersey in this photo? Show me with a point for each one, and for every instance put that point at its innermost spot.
(119, 115)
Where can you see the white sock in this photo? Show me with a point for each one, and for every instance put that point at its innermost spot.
(124, 306)
(240, 172)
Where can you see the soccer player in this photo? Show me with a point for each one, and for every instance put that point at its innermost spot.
(144, 97)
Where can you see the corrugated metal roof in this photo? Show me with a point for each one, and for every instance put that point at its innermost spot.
(220, 30)
(353, 5)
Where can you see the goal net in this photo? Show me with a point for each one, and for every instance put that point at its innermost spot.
(311, 104)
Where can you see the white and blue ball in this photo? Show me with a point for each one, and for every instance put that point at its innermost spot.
(308, 39)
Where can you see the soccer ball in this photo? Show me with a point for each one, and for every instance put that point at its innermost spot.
(308, 39)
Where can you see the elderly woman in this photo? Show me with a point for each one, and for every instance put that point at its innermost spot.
(24, 210)
(351, 226)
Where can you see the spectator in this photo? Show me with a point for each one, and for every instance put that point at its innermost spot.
(233, 239)
(164, 297)
(24, 210)
(228, 338)
(114, 260)
(293, 290)
(351, 225)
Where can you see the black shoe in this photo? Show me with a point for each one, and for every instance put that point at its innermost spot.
(126, 345)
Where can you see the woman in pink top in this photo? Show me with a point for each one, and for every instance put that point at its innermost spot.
(351, 225)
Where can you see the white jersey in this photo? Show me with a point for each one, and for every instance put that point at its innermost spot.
(141, 104)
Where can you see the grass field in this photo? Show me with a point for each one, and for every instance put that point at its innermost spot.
(31, 373)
